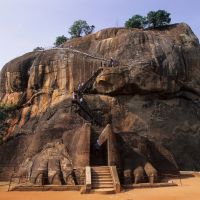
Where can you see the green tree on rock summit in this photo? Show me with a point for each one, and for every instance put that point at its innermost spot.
(79, 28)
(158, 18)
(154, 19)
(60, 40)
(137, 21)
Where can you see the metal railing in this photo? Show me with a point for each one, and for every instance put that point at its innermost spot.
(25, 180)
(74, 51)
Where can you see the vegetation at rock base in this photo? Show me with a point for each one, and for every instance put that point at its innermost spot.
(60, 40)
(154, 19)
(79, 28)
(5, 112)
(137, 21)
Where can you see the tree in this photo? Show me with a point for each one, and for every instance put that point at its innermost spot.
(60, 40)
(89, 29)
(38, 49)
(158, 18)
(79, 28)
(137, 21)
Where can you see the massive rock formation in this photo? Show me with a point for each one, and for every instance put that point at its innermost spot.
(150, 97)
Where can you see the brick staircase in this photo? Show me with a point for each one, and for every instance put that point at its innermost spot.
(102, 180)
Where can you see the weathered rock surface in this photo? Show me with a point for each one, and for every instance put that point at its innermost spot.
(153, 92)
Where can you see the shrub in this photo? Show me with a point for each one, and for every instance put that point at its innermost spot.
(60, 40)
(137, 21)
(158, 18)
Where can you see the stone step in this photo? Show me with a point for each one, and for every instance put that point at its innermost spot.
(102, 170)
(102, 178)
(102, 186)
(103, 174)
(102, 182)
(97, 176)
(103, 191)
(99, 170)
(100, 167)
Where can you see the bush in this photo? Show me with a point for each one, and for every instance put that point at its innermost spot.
(60, 40)
(158, 18)
(5, 113)
(154, 19)
(137, 21)
(79, 28)
(6, 110)
(38, 49)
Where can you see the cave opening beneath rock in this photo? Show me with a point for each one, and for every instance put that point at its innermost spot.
(98, 154)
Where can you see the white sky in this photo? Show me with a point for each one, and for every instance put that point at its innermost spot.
(26, 24)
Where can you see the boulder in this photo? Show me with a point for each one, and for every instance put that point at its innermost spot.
(150, 96)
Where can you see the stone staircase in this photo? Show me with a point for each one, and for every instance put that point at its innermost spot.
(82, 107)
(84, 111)
(88, 83)
(101, 180)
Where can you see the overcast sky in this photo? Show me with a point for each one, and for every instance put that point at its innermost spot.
(26, 24)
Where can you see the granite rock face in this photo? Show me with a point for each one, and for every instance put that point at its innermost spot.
(151, 94)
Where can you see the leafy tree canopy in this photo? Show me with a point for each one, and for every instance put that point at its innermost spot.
(60, 40)
(137, 21)
(154, 19)
(158, 18)
(79, 28)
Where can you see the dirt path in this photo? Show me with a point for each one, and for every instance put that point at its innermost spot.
(190, 189)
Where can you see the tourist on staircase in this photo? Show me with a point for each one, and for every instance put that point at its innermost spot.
(111, 64)
(79, 86)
